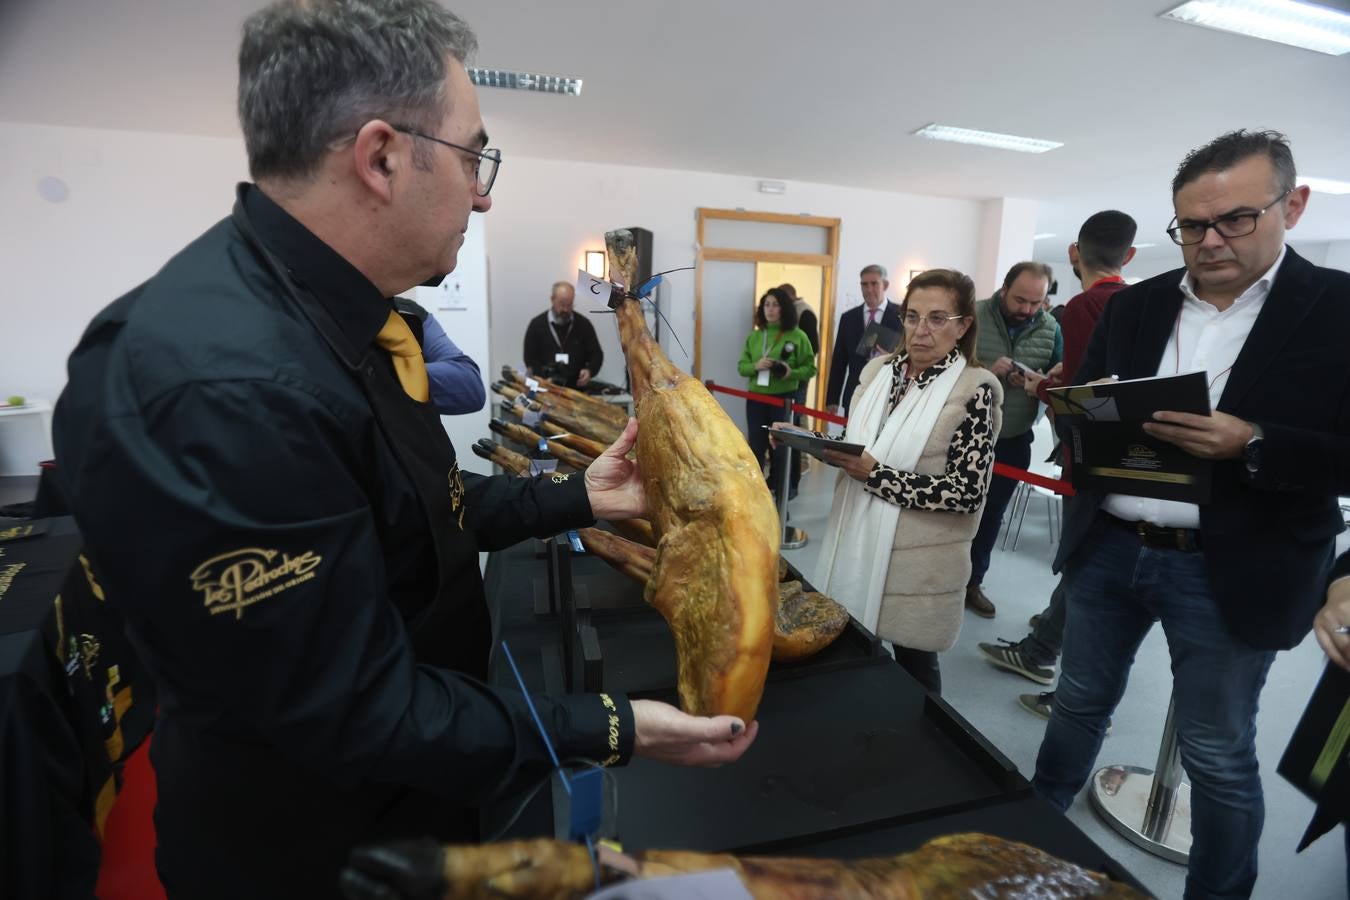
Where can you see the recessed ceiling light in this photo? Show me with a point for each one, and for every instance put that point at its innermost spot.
(526, 81)
(1326, 185)
(1042, 236)
(1283, 21)
(986, 139)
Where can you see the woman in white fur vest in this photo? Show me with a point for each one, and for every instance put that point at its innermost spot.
(896, 551)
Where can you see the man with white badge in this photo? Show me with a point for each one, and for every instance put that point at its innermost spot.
(560, 344)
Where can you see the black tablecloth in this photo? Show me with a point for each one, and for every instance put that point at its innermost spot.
(852, 759)
(74, 702)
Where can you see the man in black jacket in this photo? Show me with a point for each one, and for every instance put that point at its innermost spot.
(560, 344)
(1238, 578)
(268, 495)
(848, 358)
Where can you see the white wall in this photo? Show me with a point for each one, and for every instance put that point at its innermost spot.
(135, 198)
(546, 213)
(1007, 230)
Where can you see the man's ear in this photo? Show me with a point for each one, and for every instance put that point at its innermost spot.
(378, 158)
(1295, 205)
(1129, 256)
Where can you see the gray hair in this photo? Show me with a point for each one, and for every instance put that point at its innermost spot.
(312, 72)
(877, 269)
(1227, 150)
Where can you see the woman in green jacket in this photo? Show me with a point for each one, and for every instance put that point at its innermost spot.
(777, 357)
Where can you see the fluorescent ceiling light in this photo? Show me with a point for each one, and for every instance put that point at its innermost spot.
(1042, 236)
(1283, 21)
(1326, 185)
(1143, 245)
(526, 81)
(986, 139)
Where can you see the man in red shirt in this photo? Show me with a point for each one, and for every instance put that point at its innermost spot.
(1105, 244)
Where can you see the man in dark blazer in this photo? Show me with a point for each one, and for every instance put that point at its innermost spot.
(1242, 576)
(846, 364)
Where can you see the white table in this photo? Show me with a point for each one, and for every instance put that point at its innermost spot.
(25, 437)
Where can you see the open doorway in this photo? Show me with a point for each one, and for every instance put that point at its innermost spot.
(742, 253)
(809, 283)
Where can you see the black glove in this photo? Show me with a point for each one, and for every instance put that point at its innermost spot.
(400, 870)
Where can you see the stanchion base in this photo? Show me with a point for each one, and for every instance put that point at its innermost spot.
(1120, 796)
(793, 538)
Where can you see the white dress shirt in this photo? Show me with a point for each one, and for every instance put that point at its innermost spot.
(1203, 340)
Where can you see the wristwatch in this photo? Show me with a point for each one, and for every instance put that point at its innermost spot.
(1251, 451)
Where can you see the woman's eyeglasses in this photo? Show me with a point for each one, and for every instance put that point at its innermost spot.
(936, 320)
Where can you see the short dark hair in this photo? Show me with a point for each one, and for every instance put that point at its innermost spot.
(787, 310)
(1105, 240)
(312, 72)
(1040, 269)
(963, 292)
(1227, 150)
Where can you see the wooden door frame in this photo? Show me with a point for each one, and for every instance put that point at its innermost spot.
(828, 261)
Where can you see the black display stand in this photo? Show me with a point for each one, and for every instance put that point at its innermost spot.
(853, 757)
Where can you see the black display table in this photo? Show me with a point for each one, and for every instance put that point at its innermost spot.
(853, 758)
(74, 703)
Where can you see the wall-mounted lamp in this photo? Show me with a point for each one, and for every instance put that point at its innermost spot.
(914, 273)
(595, 263)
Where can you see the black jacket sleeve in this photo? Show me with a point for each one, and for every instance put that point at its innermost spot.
(592, 355)
(252, 574)
(807, 323)
(537, 348)
(507, 509)
(838, 366)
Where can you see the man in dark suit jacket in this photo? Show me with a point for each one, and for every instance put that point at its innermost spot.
(1240, 577)
(846, 364)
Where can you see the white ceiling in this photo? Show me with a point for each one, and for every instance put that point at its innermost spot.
(792, 90)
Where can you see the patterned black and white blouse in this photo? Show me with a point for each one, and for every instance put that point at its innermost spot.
(960, 487)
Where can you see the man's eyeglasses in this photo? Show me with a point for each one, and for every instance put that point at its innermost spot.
(936, 320)
(484, 169)
(1229, 226)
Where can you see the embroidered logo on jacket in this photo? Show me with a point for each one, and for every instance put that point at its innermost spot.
(456, 484)
(232, 581)
(18, 531)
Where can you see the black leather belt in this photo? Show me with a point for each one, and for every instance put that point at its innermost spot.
(1185, 539)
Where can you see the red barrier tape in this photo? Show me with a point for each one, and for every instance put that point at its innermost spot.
(1050, 484)
(1063, 488)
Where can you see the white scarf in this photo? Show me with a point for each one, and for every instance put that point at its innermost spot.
(856, 549)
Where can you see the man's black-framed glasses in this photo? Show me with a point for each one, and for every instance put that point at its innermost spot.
(1238, 224)
(484, 169)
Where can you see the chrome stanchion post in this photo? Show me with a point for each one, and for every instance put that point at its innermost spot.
(1150, 809)
(792, 538)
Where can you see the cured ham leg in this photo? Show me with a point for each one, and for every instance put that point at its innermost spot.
(522, 435)
(578, 443)
(509, 460)
(573, 421)
(955, 866)
(553, 394)
(717, 534)
(805, 622)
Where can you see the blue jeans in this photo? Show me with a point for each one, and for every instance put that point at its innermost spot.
(1117, 588)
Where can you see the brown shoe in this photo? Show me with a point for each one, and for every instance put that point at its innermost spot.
(978, 603)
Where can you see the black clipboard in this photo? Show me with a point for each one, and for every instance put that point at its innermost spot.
(816, 446)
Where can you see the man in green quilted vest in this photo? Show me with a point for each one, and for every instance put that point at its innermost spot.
(1013, 328)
